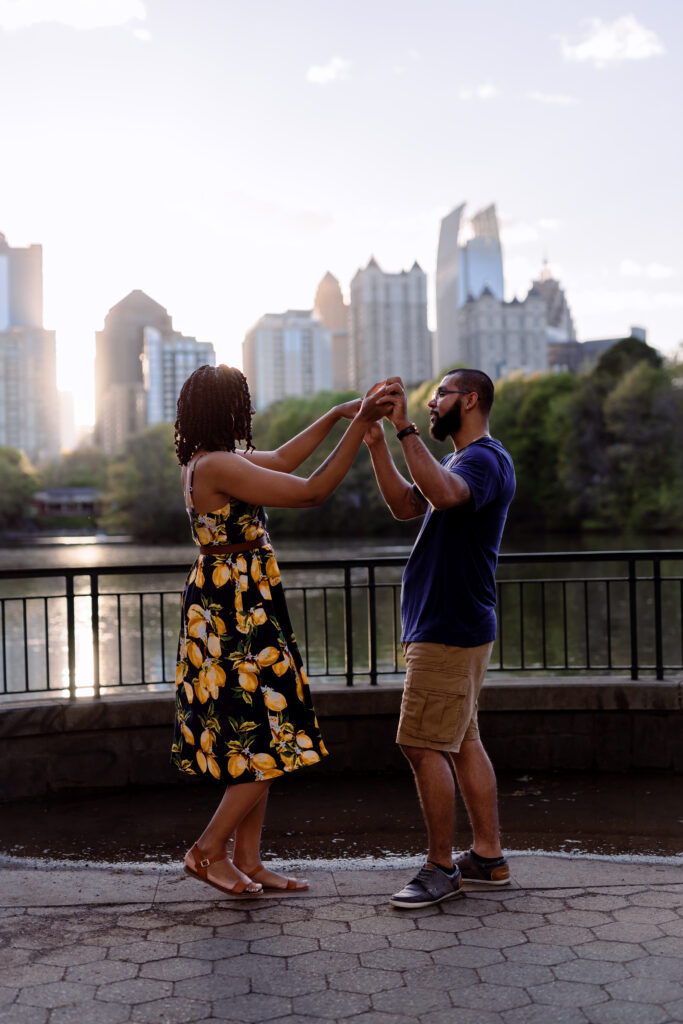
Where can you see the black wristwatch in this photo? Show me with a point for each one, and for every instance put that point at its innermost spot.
(410, 429)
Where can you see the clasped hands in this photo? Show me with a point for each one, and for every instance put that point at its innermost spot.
(386, 399)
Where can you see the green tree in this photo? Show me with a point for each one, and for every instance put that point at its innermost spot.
(624, 355)
(144, 497)
(18, 486)
(84, 467)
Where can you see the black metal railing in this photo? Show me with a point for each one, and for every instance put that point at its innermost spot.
(88, 631)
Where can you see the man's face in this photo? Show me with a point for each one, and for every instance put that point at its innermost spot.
(446, 409)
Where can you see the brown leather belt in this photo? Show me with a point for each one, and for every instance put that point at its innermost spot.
(232, 549)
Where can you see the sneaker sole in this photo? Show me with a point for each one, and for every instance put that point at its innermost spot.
(485, 882)
(426, 903)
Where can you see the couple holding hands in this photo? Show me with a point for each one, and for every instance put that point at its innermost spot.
(244, 713)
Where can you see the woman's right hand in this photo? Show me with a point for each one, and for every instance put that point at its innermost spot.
(347, 410)
(374, 434)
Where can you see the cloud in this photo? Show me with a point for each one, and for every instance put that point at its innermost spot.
(77, 14)
(634, 301)
(486, 91)
(558, 99)
(612, 42)
(337, 69)
(653, 271)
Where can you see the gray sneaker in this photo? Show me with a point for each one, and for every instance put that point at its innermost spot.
(430, 885)
(473, 871)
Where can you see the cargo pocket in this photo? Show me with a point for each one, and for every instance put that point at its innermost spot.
(432, 715)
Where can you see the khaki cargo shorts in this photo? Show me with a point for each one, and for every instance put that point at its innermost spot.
(439, 705)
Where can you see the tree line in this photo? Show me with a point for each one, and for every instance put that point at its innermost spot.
(598, 451)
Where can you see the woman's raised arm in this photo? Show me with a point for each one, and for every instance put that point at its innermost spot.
(292, 453)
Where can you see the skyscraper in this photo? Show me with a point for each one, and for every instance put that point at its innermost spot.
(287, 355)
(168, 359)
(389, 333)
(329, 307)
(469, 260)
(29, 409)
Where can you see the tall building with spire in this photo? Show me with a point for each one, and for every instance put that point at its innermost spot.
(29, 405)
(469, 260)
(329, 307)
(389, 332)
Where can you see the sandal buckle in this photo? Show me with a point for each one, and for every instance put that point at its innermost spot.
(204, 862)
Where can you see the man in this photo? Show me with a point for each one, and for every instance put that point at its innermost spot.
(448, 612)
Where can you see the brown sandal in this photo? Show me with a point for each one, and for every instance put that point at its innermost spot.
(201, 873)
(291, 884)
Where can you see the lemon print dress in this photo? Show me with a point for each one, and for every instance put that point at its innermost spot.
(243, 705)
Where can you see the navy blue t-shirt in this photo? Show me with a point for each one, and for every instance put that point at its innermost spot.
(449, 586)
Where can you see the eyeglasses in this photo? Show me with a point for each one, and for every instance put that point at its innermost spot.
(438, 393)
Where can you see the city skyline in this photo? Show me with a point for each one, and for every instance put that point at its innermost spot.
(239, 158)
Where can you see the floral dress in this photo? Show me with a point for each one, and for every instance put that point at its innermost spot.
(243, 705)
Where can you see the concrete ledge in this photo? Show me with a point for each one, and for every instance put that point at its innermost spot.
(593, 723)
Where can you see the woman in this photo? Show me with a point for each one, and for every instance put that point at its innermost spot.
(244, 713)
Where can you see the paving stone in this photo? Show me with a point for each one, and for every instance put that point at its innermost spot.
(91, 1013)
(512, 919)
(15, 957)
(377, 1017)
(652, 898)
(521, 975)
(595, 971)
(395, 959)
(422, 939)
(602, 949)
(582, 918)
(218, 916)
(176, 968)
(212, 949)
(31, 974)
(595, 901)
(646, 990)
(137, 990)
(248, 930)
(672, 927)
(8, 995)
(23, 1015)
(142, 952)
(355, 942)
(668, 945)
(528, 904)
(280, 982)
(617, 1012)
(539, 1015)
(627, 931)
(334, 1005)
(342, 912)
(657, 967)
(182, 933)
(283, 945)
(102, 971)
(323, 961)
(567, 993)
(314, 928)
(560, 935)
(145, 919)
(645, 915)
(212, 987)
(280, 914)
(414, 1000)
(365, 979)
(448, 923)
(495, 938)
(490, 997)
(448, 1017)
(291, 1018)
(539, 953)
(115, 936)
(256, 1007)
(468, 956)
(172, 1010)
(247, 965)
(56, 993)
(71, 956)
(384, 925)
(675, 1010)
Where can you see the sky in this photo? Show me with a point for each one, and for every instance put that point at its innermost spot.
(223, 155)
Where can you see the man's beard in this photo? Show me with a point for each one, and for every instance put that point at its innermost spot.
(448, 424)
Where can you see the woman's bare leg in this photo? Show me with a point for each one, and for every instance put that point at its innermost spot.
(236, 805)
(247, 851)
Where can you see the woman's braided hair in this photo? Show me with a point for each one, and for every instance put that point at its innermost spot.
(214, 412)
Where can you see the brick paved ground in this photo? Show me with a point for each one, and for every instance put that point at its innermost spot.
(582, 941)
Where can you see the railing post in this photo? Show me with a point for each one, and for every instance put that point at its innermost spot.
(348, 627)
(372, 625)
(95, 618)
(659, 646)
(71, 635)
(633, 615)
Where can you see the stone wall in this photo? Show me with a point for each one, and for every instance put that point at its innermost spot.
(600, 723)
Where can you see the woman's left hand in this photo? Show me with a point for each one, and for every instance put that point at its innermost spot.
(347, 410)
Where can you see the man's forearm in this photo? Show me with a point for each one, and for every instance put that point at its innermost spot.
(395, 489)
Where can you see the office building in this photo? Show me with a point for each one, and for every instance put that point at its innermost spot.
(168, 359)
(558, 317)
(329, 307)
(287, 355)
(502, 338)
(29, 408)
(469, 260)
(388, 327)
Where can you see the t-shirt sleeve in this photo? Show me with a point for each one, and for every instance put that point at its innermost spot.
(484, 472)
